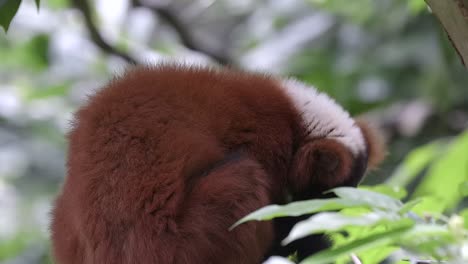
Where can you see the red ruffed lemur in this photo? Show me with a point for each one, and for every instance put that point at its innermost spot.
(163, 160)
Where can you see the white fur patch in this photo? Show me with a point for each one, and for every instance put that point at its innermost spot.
(323, 117)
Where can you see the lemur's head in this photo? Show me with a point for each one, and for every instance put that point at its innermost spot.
(336, 149)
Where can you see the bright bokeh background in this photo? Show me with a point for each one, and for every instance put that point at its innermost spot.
(389, 58)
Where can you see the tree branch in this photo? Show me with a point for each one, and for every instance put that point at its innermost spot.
(96, 36)
(186, 37)
(453, 15)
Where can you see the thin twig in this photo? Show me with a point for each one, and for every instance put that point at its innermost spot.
(96, 36)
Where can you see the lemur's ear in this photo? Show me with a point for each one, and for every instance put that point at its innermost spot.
(324, 163)
(375, 143)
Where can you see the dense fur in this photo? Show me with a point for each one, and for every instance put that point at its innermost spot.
(164, 160)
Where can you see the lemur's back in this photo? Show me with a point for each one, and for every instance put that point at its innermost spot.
(165, 157)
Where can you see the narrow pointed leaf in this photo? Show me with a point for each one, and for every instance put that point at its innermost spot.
(392, 191)
(333, 221)
(410, 205)
(372, 241)
(299, 208)
(373, 199)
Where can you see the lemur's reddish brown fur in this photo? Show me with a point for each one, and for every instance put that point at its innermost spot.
(164, 160)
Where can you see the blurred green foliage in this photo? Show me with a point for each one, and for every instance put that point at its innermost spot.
(32, 54)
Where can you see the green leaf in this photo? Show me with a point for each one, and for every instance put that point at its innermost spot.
(414, 163)
(410, 205)
(392, 191)
(38, 3)
(376, 255)
(13, 246)
(298, 208)
(373, 199)
(427, 239)
(464, 214)
(416, 6)
(422, 231)
(8, 9)
(58, 4)
(463, 188)
(372, 241)
(428, 204)
(32, 54)
(447, 174)
(56, 90)
(360, 11)
(333, 221)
